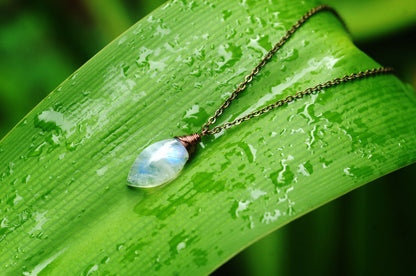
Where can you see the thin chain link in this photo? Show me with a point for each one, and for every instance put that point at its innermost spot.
(300, 94)
(243, 85)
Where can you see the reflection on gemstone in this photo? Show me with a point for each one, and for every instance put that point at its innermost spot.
(158, 164)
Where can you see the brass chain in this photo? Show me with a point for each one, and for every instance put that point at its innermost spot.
(243, 85)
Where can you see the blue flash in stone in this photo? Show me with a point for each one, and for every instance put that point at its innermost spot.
(158, 164)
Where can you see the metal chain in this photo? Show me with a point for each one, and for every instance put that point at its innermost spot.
(243, 85)
(298, 95)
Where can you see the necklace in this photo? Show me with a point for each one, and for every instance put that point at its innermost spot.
(162, 161)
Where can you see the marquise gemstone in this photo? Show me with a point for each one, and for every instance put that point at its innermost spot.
(158, 164)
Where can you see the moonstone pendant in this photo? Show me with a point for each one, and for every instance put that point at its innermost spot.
(161, 162)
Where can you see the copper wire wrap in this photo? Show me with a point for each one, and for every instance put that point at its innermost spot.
(189, 141)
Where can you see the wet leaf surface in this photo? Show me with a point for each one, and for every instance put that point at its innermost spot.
(65, 207)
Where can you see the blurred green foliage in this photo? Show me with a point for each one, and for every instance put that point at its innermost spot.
(368, 231)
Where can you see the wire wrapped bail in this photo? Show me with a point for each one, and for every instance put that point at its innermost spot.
(189, 141)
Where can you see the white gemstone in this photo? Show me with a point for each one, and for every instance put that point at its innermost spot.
(158, 164)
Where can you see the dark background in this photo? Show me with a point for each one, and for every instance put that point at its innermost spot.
(370, 231)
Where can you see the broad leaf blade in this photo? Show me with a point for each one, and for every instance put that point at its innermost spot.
(65, 207)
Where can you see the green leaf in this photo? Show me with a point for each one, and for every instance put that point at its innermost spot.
(65, 207)
(370, 18)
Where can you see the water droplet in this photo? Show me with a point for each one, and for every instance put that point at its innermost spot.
(105, 260)
(27, 178)
(260, 44)
(196, 72)
(226, 14)
(124, 69)
(143, 60)
(305, 168)
(311, 139)
(120, 246)
(90, 269)
(228, 55)
(284, 176)
(255, 194)
(180, 246)
(53, 120)
(162, 31)
(347, 172)
(4, 223)
(289, 55)
(36, 150)
(179, 242)
(194, 117)
(85, 92)
(269, 217)
(199, 257)
(333, 116)
(204, 182)
(238, 207)
(42, 265)
(122, 39)
(192, 5)
(325, 163)
(359, 172)
(17, 199)
(308, 111)
(11, 170)
(40, 219)
(253, 152)
(156, 66)
(133, 251)
(249, 151)
(102, 171)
